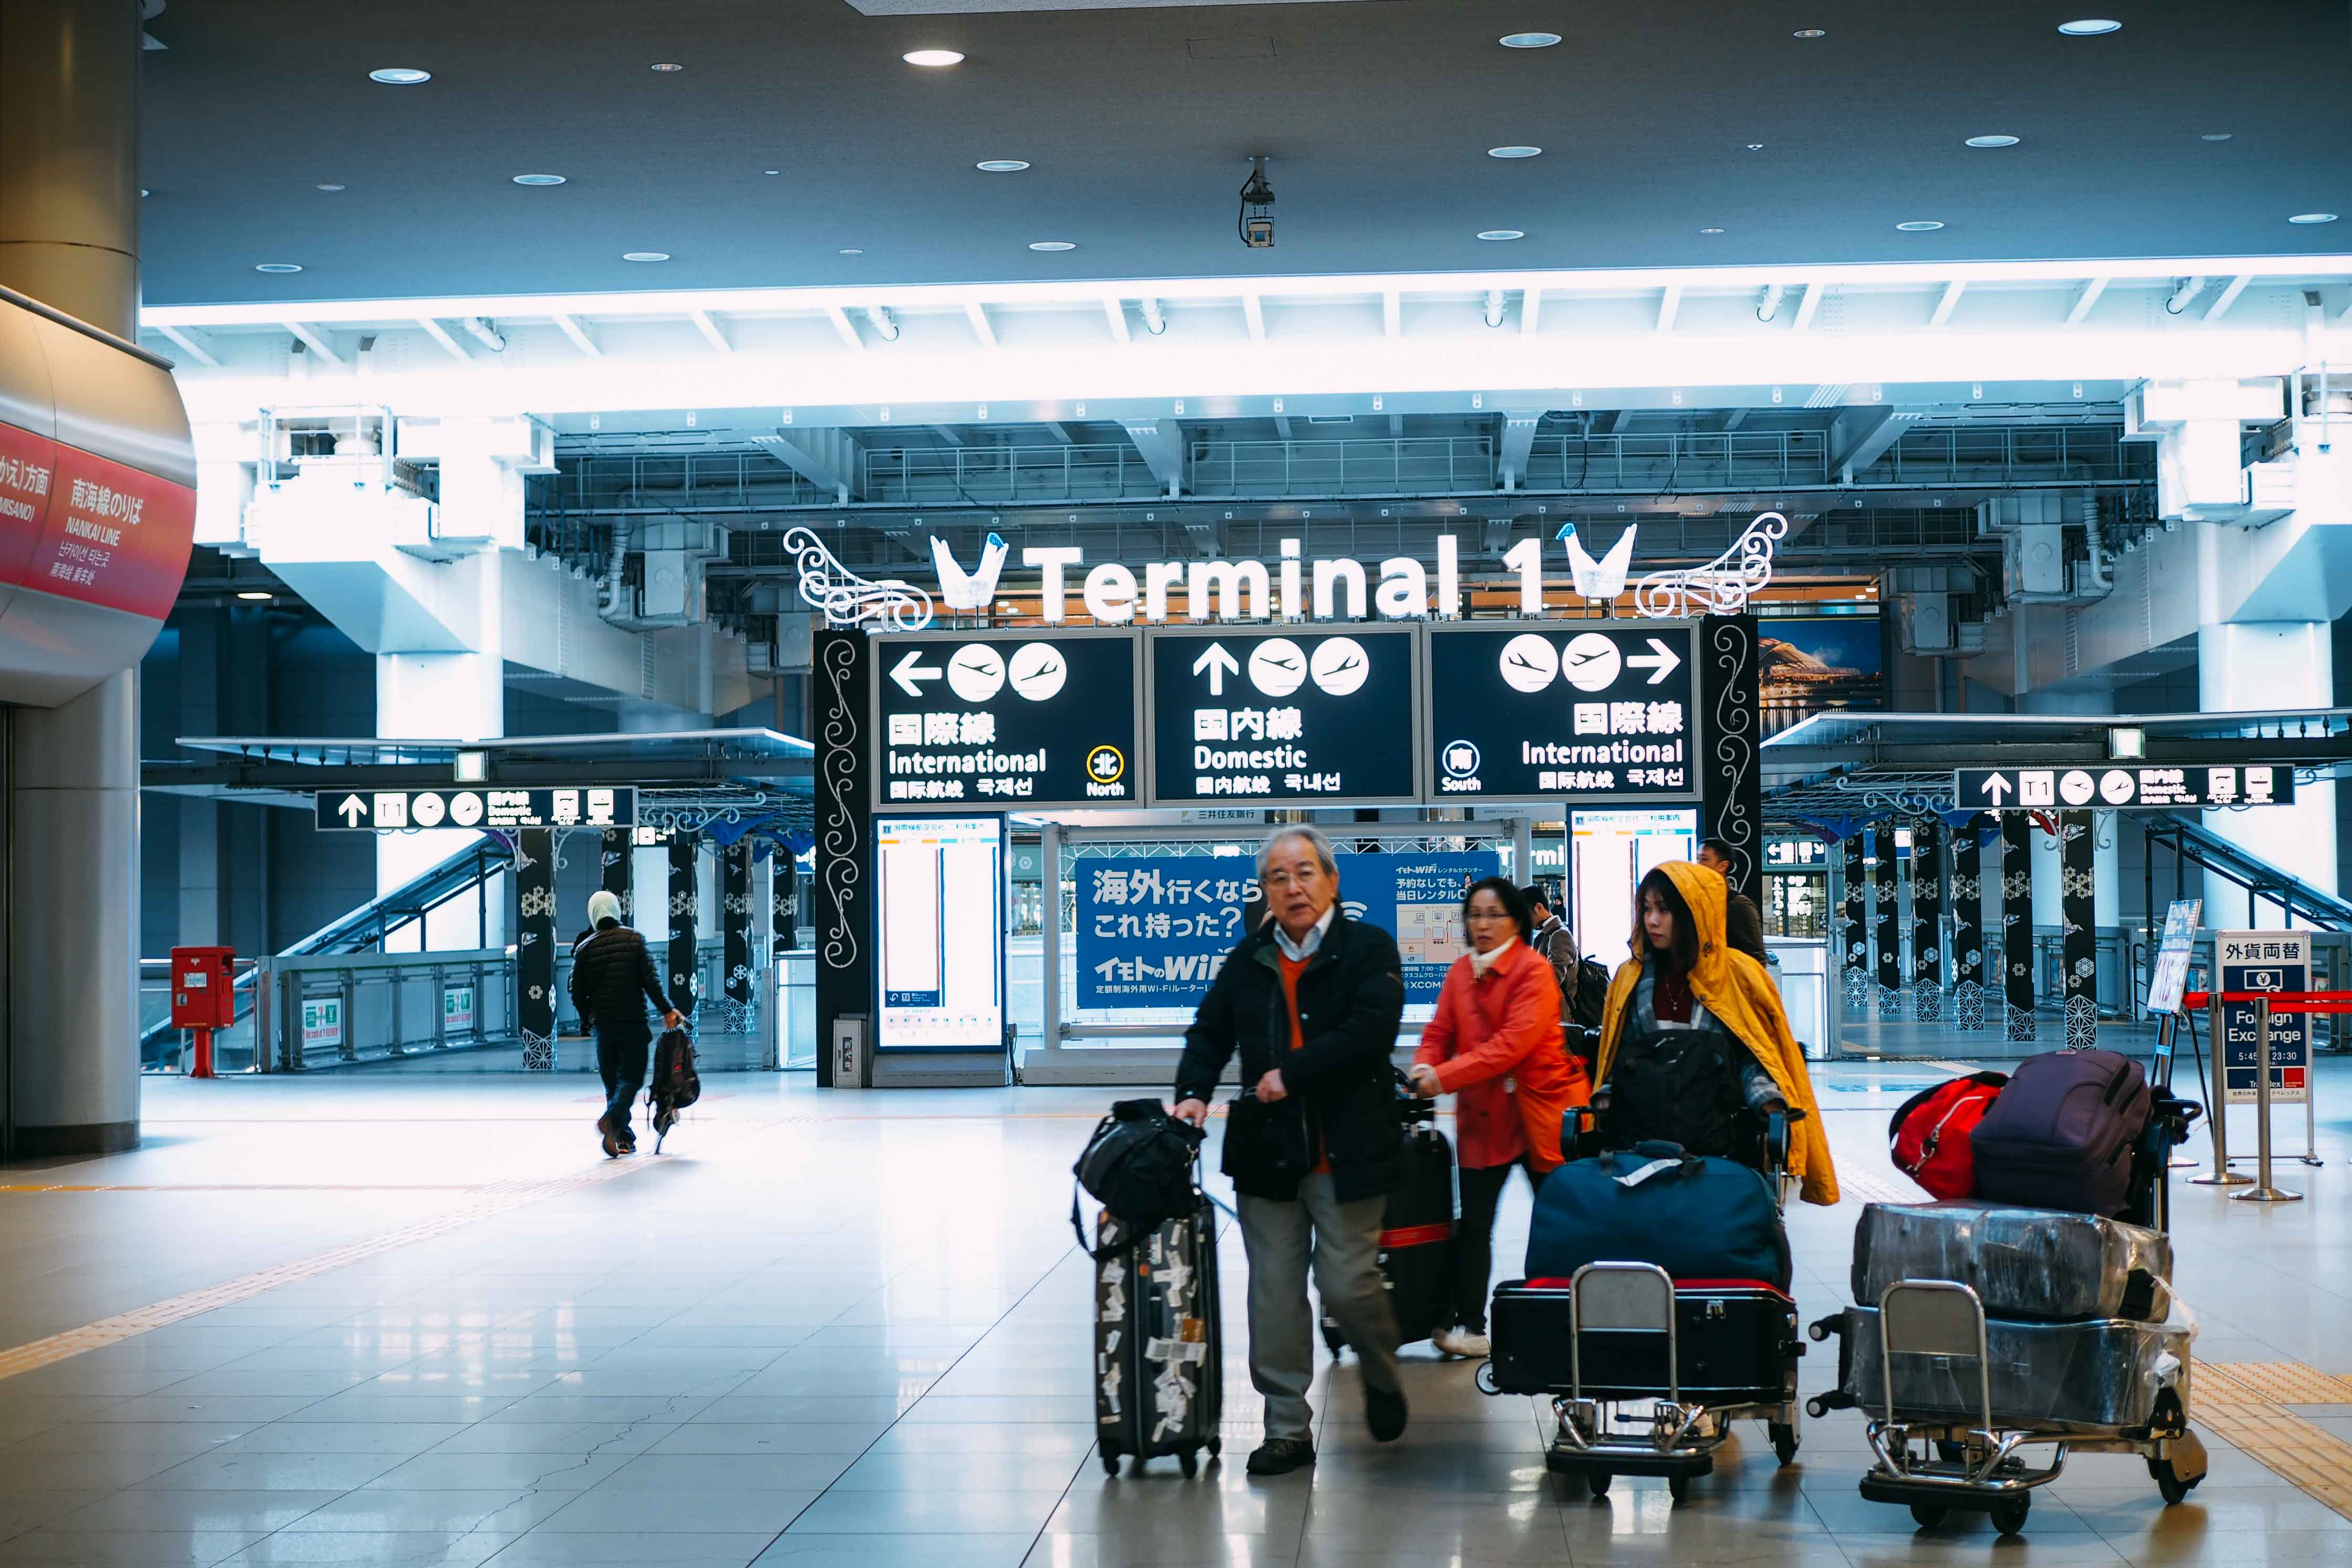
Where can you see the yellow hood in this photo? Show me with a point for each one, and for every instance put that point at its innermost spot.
(1737, 990)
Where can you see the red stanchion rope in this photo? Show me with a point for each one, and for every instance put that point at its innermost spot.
(2280, 1001)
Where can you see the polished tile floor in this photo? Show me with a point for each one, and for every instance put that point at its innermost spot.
(849, 1328)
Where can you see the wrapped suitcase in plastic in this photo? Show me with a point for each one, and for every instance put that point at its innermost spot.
(1158, 1352)
(2100, 1377)
(1736, 1341)
(2040, 1264)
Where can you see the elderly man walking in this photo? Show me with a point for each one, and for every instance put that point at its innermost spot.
(1312, 1002)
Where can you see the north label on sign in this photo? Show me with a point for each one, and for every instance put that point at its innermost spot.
(2135, 788)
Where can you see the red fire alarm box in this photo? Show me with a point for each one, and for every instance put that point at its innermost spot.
(203, 994)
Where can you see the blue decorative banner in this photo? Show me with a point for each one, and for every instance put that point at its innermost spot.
(1153, 932)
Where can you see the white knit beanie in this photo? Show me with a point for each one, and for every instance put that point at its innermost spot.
(604, 904)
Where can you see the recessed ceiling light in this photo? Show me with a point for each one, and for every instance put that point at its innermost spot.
(1528, 40)
(1811, 33)
(853, 250)
(1756, 146)
(666, 67)
(1502, 234)
(255, 594)
(2089, 28)
(934, 59)
(2214, 136)
(321, 187)
(1710, 231)
(277, 266)
(1919, 226)
(539, 179)
(1990, 141)
(1002, 165)
(399, 76)
(644, 255)
(2313, 217)
(1514, 152)
(1051, 244)
(772, 170)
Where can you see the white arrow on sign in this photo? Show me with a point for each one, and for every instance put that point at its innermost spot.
(906, 671)
(1660, 663)
(1219, 663)
(351, 810)
(1994, 787)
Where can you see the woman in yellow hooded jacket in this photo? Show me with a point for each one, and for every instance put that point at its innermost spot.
(1688, 1016)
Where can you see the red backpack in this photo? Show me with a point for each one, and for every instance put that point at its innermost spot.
(1929, 1135)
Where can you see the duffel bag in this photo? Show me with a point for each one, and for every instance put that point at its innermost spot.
(1696, 1219)
(1928, 1134)
(2062, 1134)
(1139, 1165)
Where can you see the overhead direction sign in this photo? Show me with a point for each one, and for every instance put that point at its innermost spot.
(967, 720)
(1582, 711)
(1282, 717)
(2133, 788)
(398, 810)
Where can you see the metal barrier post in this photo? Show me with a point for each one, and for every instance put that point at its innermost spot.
(2261, 1192)
(2216, 1028)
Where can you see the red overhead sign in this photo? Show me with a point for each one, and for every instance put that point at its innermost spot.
(82, 527)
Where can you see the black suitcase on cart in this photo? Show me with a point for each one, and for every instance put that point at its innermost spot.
(1159, 1352)
(1737, 1342)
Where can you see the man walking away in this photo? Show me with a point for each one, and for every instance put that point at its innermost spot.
(612, 980)
(1312, 1002)
(1743, 922)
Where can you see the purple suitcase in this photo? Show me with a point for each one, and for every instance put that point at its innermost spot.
(2061, 1134)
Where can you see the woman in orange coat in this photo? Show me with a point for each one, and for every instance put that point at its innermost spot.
(1494, 1044)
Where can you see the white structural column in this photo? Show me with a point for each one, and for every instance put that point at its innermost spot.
(2257, 665)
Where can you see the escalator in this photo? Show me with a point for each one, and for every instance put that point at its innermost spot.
(364, 929)
(2198, 846)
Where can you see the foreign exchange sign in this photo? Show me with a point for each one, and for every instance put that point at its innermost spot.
(2135, 788)
(1575, 711)
(397, 810)
(973, 720)
(2264, 960)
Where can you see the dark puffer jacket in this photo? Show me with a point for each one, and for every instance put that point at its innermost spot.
(611, 979)
(1350, 1001)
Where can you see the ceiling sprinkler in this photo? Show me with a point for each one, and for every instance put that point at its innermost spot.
(1257, 208)
(2189, 289)
(1770, 306)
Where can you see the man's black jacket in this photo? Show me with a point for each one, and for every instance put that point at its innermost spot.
(612, 980)
(1350, 1001)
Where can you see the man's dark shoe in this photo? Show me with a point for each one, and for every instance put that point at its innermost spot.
(1384, 1414)
(610, 1139)
(1280, 1455)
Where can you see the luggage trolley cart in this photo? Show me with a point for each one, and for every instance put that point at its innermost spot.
(1929, 1454)
(1698, 1353)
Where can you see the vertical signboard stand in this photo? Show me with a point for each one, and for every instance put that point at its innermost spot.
(844, 904)
(2264, 1191)
(2259, 1061)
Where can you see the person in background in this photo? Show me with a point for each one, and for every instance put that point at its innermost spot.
(1685, 1010)
(1553, 942)
(612, 980)
(1743, 922)
(1312, 999)
(1494, 1043)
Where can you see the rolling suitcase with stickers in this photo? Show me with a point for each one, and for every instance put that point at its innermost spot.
(1158, 1354)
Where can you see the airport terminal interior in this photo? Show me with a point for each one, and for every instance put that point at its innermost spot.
(1025, 548)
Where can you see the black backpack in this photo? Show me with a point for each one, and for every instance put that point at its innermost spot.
(1138, 1165)
(1679, 1086)
(676, 1083)
(1591, 997)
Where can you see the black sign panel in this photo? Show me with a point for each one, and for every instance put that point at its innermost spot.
(2134, 786)
(996, 721)
(1581, 712)
(1291, 717)
(397, 810)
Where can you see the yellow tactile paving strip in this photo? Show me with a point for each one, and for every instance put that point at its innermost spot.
(1865, 1186)
(486, 1202)
(2243, 1403)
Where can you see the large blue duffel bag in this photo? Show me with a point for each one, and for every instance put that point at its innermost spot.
(1696, 1218)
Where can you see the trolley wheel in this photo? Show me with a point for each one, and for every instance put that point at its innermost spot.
(1190, 1462)
(2168, 1482)
(2010, 1517)
(1929, 1515)
(1817, 1407)
(1598, 1481)
(1111, 1464)
(1784, 1442)
(1678, 1487)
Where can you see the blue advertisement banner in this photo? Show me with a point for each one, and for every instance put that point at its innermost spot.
(1153, 932)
